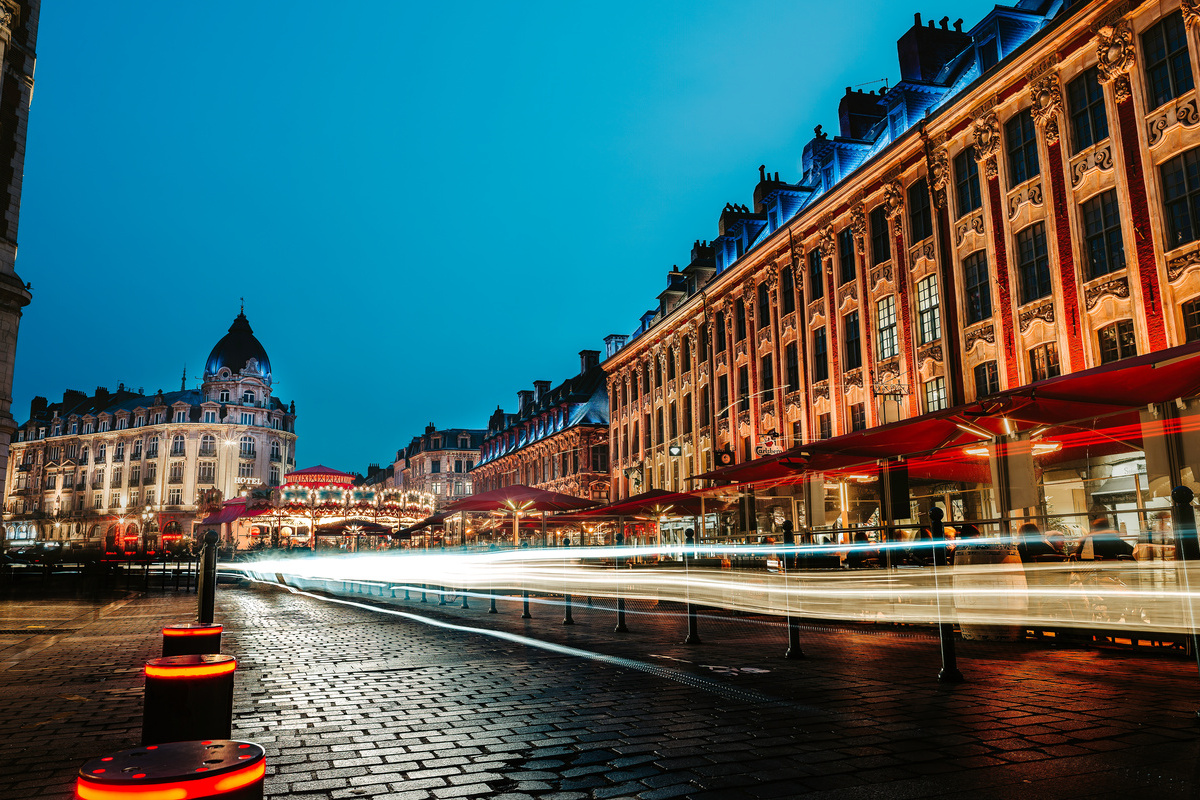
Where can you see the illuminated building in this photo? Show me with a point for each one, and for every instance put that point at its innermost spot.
(120, 468)
(18, 39)
(438, 463)
(1022, 203)
(556, 440)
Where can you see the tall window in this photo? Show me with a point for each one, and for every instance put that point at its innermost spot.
(920, 220)
(820, 365)
(658, 378)
(722, 394)
(1181, 198)
(247, 447)
(1102, 234)
(766, 374)
(152, 447)
(718, 334)
(687, 354)
(885, 324)
(853, 339)
(881, 249)
(175, 472)
(739, 320)
(208, 445)
(858, 417)
(1033, 266)
(1168, 68)
(210, 415)
(816, 278)
(976, 287)
(825, 426)
(966, 182)
(245, 469)
(674, 421)
(1117, 341)
(101, 453)
(743, 388)
(137, 450)
(987, 379)
(177, 445)
(275, 475)
(119, 452)
(791, 356)
(1043, 362)
(705, 408)
(935, 394)
(846, 255)
(1191, 319)
(659, 431)
(276, 453)
(764, 305)
(206, 471)
(1085, 102)
(670, 363)
(787, 290)
(181, 415)
(930, 322)
(687, 413)
(1021, 139)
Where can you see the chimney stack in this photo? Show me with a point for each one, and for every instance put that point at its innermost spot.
(588, 359)
(540, 389)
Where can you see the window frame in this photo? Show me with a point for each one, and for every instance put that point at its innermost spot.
(1020, 147)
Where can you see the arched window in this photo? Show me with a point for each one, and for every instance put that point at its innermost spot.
(101, 452)
(247, 447)
(208, 445)
(248, 397)
(119, 452)
(223, 396)
(275, 453)
(152, 447)
(177, 445)
(83, 455)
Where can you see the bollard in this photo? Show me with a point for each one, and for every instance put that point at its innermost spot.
(949, 672)
(492, 607)
(442, 597)
(188, 697)
(191, 639)
(793, 623)
(619, 540)
(464, 602)
(193, 770)
(423, 587)
(525, 605)
(208, 578)
(693, 632)
(567, 618)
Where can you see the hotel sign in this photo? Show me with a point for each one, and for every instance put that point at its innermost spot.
(240, 481)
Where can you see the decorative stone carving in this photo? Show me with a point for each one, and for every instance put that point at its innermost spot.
(971, 222)
(1177, 266)
(722, 359)
(764, 336)
(932, 352)
(788, 323)
(984, 333)
(797, 253)
(793, 401)
(893, 203)
(854, 378)
(938, 164)
(739, 350)
(820, 390)
(1046, 94)
(826, 242)
(1191, 13)
(723, 425)
(889, 368)
(815, 310)
(658, 394)
(1044, 312)
(858, 225)
(1115, 51)
(770, 276)
(670, 387)
(986, 132)
(1096, 158)
(850, 290)
(1183, 114)
(1026, 193)
(881, 273)
(768, 410)
(703, 370)
(921, 251)
(1117, 287)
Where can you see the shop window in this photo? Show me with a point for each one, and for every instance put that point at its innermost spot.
(935, 394)
(1043, 362)
(987, 379)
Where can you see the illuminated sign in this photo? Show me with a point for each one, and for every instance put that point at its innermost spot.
(248, 481)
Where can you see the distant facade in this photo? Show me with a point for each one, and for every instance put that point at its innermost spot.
(18, 40)
(1024, 202)
(439, 462)
(126, 471)
(556, 440)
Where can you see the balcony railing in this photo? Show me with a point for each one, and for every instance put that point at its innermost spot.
(174, 479)
(208, 452)
(136, 455)
(206, 479)
(149, 479)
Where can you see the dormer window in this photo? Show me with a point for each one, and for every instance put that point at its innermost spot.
(210, 415)
(74, 428)
(87, 427)
(140, 421)
(104, 426)
(248, 397)
(122, 423)
(181, 415)
(223, 397)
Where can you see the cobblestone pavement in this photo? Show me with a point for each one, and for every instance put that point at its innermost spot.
(354, 702)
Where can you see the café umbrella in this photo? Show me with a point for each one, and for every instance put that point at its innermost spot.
(519, 499)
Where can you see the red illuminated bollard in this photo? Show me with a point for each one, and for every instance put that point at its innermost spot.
(188, 697)
(216, 768)
(191, 639)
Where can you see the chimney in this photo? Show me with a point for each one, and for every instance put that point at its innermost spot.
(614, 342)
(72, 398)
(101, 393)
(540, 389)
(37, 407)
(588, 359)
(429, 428)
(524, 398)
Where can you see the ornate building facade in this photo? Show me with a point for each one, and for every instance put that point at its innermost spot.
(556, 440)
(124, 470)
(18, 39)
(438, 463)
(1024, 202)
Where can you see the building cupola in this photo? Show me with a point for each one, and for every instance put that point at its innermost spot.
(238, 351)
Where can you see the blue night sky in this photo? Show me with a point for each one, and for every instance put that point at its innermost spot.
(426, 206)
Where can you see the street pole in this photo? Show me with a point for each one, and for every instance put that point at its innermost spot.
(1187, 549)
(793, 623)
(208, 578)
(693, 634)
(619, 539)
(949, 672)
(567, 618)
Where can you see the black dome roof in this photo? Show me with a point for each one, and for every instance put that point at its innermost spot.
(236, 349)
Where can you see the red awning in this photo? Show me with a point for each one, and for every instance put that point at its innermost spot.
(232, 511)
(519, 498)
(1105, 390)
(653, 503)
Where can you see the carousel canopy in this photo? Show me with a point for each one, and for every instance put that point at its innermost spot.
(519, 498)
(319, 475)
(232, 510)
(352, 527)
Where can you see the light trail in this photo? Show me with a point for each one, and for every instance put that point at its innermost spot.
(989, 599)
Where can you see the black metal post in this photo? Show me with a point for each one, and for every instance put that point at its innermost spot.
(492, 607)
(464, 594)
(423, 600)
(793, 623)
(620, 541)
(442, 597)
(949, 672)
(567, 618)
(208, 578)
(1187, 548)
(693, 633)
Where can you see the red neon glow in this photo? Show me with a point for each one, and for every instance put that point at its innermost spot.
(173, 790)
(211, 631)
(191, 670)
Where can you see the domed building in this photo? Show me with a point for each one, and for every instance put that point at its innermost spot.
(133, 472)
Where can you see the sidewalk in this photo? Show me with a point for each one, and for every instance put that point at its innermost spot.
(353, 703)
